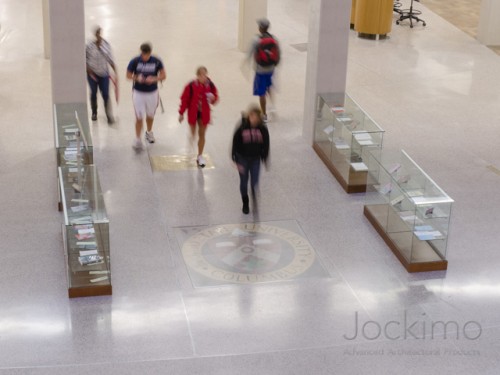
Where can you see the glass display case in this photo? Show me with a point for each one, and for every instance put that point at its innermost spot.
(343, 137)
(85, 232)
(408, 209)
(65, 129)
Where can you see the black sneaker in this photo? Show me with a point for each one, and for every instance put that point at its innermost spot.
(94, 116)
(246, 208)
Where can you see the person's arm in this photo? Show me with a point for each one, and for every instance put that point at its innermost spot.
(253, 47)
(87, 58)
(279, 52)
(184, 101)
(215, 93)
(132, 74)
(265, 146)
(236, 143)
(135, 77)
(162, 75)
(109, 56)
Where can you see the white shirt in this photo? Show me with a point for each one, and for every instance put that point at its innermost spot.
(98, 59)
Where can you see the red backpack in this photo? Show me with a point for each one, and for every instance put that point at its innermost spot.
(267, 52)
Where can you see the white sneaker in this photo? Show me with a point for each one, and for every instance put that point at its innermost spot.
(150, 137)
(137, 144)
(200, 160)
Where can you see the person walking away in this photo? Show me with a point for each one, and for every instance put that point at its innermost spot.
(98, 58)
(145, 71)
(266, 53)
(196, 98)
(250, 148)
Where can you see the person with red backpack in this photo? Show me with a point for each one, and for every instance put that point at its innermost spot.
(266, 54)
(196, 98)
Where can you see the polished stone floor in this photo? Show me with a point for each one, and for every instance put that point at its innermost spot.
(434, 90)
(464, 14)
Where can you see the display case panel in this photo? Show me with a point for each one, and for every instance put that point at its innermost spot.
(409, 210)
(343, 136)
(85, 232)
(65, 129)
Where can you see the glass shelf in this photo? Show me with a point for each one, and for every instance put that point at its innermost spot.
(65, 127)
(85, 232)
(409, 210)
(343, 136)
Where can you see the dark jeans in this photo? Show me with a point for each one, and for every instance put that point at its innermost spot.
(251, 167)
(102, 83)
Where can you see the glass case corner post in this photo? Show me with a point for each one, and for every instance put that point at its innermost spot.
(373, 176)
(323, 129)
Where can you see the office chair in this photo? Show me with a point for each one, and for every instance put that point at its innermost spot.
(411, 15)
(396, 7)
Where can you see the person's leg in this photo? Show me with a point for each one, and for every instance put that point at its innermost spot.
(93, 96)
(266, 84)
(262, 100)
(138, 128)
(201, 136)
(270, 107)
(192, 130)
(149, 123)
(140, 110)
(254, 169)
(259, 89)
(243, 171)
(104, 87)
(152, 103)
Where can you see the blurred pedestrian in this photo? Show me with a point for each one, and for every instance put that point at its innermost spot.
(266, 53)
(250, 148)
(196, 98)
(145, 71)
(98, 59)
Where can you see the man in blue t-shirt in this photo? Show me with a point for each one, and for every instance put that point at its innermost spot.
(145, 71)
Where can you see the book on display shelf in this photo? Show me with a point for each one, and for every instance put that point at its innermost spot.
(359, 167)
(99, 279)
(87, 236)
(90, 260)
(394, 168)
(385, 189)
(329, 129)
(88, 252)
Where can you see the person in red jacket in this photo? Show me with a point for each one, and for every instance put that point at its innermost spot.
(196, 98)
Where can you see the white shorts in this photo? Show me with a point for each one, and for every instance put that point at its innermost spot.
(145, 103)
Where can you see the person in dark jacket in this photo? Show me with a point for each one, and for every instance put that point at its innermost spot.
(196, 99)
(250, 147)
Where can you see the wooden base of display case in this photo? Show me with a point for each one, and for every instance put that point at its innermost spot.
(357, 180)
(421, 266)
(90, 291)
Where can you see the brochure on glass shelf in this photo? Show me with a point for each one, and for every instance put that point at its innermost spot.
(384, 189)
(90, 259)
(340, 144)
(359, 167)
(426, 235)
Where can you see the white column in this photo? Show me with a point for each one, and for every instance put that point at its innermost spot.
(327, 54)
(250, 11)
(67, 51)
(46, 29)
(488, 31)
